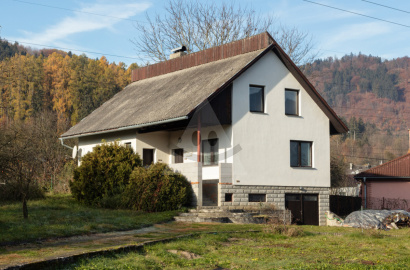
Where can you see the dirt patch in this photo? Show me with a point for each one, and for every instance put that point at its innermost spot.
(185, 254)
(368, 263)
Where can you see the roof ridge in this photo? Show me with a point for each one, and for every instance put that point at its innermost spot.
(389, 162)
(238, 47)
(378, 170)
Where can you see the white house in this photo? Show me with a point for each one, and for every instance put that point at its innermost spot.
(240, 121)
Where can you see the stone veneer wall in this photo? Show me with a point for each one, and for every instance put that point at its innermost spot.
(274, 194)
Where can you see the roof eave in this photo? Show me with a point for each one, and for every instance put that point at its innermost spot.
(125, 128)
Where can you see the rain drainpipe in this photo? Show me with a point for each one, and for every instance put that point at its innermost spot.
(198, 139)
(62, 143)
(365, 193)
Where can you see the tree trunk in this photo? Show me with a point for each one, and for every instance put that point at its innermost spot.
(25, 210)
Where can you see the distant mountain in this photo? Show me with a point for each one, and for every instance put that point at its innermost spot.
(373, 98)
(367, 87)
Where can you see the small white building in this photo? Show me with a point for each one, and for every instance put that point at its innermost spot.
(240, 121)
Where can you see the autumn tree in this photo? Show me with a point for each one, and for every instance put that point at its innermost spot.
(19, 160)
(201, 25)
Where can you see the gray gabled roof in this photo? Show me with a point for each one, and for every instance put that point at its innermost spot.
(169, 91)
(170, 96)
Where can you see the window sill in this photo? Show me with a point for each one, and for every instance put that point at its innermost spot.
(304, 168)
(262, 113)
(294, 115)
(212, 165)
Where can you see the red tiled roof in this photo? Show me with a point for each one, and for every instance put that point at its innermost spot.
(399, 167)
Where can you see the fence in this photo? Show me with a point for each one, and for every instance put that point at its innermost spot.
(388, 203)
(344, 205)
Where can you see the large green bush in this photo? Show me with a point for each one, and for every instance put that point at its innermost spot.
(157, 188)
(104, 173)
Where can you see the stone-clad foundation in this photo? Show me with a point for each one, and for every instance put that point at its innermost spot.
(274, 194)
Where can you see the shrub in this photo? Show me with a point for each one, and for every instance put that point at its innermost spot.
(11, 191)
(290, 231)
(157, 188)
(104, 172)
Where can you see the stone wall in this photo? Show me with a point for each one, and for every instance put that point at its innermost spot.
(274, 194)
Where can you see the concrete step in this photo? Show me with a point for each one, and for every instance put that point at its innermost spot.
(207, 210)
(202, 219)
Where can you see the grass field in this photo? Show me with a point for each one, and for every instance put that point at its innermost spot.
(333, 248)
(59, 216)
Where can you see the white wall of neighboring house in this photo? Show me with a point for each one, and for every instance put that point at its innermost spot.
(264, 138)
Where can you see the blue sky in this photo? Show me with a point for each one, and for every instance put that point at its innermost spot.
(335, 32)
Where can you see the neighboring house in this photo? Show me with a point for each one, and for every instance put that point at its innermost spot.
(240, 121)
(387, 186)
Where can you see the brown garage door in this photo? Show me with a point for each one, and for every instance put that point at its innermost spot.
(304, 208)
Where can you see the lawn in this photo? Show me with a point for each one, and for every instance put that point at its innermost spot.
(316, 248)
(61, 215)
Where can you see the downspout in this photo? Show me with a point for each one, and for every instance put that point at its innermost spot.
(198, 139)
(62, 143)
(365, 193)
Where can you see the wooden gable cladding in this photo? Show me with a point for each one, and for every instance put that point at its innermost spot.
(242, 46)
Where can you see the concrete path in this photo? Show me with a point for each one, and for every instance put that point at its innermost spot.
(65, 247)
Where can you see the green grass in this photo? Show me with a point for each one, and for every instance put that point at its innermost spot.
(338, 248)
(61, 215)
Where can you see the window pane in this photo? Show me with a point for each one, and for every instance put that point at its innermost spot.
(256, 99)
(206, 150)
(291, 102)
(210, 152)
(310, 198)
(294, 154)
(178, 155)
(305, 155)
(214, 150)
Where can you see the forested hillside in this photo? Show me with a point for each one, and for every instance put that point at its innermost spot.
(70, 85)
(373, 97)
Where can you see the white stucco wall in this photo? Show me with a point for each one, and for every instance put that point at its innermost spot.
(183, 139)
(87, 143)
(263, 140)
(159, 141)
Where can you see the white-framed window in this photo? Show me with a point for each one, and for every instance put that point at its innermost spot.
(210, 152)
(291, 102)
(256, 98)
(300, 154)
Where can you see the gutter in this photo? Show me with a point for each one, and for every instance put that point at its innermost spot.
(62, 143)
(365, 193)
(126, 128)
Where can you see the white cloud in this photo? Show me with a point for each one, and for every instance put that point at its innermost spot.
(84, 21)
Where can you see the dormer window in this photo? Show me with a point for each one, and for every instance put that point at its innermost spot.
(256, 98)
(291, 102)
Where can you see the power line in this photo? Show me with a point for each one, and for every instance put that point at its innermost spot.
(377, 4)
(340, 155)
(371, 116)
(76, 10)
(363, 109)
(356, 13)
(61, 48)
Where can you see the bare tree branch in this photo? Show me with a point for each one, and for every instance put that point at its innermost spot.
(202, 25)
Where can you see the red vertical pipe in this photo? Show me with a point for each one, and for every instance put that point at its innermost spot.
(198, 138)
